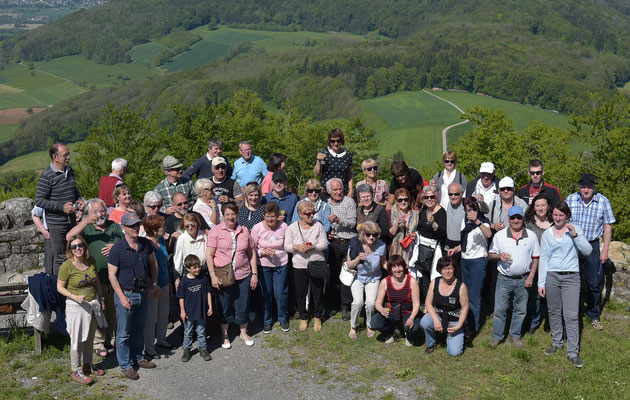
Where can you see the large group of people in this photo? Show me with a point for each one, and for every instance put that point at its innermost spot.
(437, 257)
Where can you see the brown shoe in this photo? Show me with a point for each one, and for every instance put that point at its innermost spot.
(303, 324)
(146, 364)
(317, 325)
(131, 374)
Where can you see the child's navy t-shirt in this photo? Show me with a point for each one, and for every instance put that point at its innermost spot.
(195, 294)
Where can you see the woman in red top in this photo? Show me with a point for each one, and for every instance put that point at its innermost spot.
(398, 302)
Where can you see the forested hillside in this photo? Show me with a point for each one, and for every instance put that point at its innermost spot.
(547, 54)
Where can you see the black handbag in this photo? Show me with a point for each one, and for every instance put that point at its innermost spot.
(316, 269)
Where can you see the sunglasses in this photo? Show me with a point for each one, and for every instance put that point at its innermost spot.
(334, 141)
(183, 203)
(449, 161)
(534, 173)
(485, 175)
(370, 169)
(308, 214)
(429, 197)
(313, 190)
(370, 234)
(134, 226)
(76, 246)
(221, 166)
(506, 189)
(472, 210)
(175, 169)
(400, 176)
(403, 200)
(190, 226)
(454, 194)
(153, 206)
(513, 217)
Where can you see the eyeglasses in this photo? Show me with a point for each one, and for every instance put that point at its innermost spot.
(454, 194)
(99, 212)
(76, 246)
(313, 190)
(183, 203)
(506, 189)
(400, 176)
(533, 173)
(308, 214)
(429, 197)
(403, 200)
(448, 268)
(175, 169)
(516, 217)
(220, 166)
(334, 141)
(370, 169)
(153, 206)
(471, 210)
(190, 226)
(371, 234)
(449, 161)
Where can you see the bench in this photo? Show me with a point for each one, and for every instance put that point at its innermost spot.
(18, 299)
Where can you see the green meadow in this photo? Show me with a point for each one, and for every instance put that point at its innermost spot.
(412, 122)
(35, 162)
(6, 132)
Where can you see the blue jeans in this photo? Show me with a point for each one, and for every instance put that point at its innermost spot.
(387, 326)
(504, 290)
(274, 284)
(130, 329)
(189, 328)
(537, 307)
(235, 302)
(454, 341)
(473, 275)
(592, 272)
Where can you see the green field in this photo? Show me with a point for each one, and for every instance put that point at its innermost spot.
(144, 53)
(6, 132)
(412, 122)
(53, 13)
(35, 161)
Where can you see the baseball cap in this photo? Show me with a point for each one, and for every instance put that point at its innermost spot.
(515, 210)
(129, 219)
(279, 176)
(486, 167)
(218, 161)
(506, 182)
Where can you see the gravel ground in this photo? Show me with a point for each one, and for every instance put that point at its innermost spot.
(241, 372)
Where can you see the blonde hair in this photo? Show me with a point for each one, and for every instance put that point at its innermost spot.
(368, 162)
(369, 227)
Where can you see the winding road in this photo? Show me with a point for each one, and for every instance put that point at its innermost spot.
(444, 146)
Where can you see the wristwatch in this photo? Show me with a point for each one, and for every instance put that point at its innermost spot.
(154, 284)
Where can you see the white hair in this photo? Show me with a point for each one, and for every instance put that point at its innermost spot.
(203, 184)
(330, 181)
(119, 164)
(151, 197)
(88, 204)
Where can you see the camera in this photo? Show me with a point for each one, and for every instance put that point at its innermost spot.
(139, 284)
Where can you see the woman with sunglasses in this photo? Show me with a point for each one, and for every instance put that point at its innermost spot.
(122, 199)
(379, 186)
(192, 241)
(432, 233)
(206, 205)
(313, 192)
(335, 162)
(78, 282)
(152, 202)
(446, 308)
(403, 222)
(408, 178)
(368, 210)
(474, 248)
(538, 218)
(307, 241)
(251, 212)
(448, 175)
(559, 280)
(366, 256)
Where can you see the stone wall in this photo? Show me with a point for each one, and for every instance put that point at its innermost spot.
(21, 243)
(619, 253)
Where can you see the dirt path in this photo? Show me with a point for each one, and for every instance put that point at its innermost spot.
(444, 144)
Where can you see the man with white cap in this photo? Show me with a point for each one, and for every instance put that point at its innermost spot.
(226, 189)
(485, 187)
(173, 183)
(517, 251)
(498, 208)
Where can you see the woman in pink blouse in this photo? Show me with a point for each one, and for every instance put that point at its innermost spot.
(230, 244)
(268, 237)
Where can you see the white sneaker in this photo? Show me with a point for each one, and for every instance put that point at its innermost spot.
(249, 342)
(390, 340)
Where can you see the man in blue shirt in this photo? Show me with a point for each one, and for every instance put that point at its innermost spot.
(133, 273)
(248, 168)
(592, 212)
(286, 200)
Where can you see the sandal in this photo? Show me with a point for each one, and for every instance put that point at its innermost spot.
(352, 335)
(370, 333)
(102, 352)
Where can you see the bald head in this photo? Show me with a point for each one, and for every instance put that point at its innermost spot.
(180, 202)
(453, 188)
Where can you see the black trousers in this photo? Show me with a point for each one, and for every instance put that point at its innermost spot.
(58, 245)
(338, 296)
(302, 281)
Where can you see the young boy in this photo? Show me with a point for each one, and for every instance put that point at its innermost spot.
(195, 302)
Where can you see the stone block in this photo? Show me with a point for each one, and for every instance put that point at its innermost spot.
(31, 249)
(7, 236)
(20, 262)
(18, 211)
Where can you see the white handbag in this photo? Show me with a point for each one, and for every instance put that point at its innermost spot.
(346, 276)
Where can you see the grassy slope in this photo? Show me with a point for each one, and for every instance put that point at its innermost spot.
(6, 132)
(412, 122)
(35, 161)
